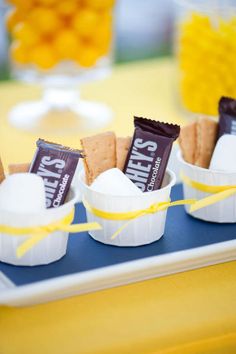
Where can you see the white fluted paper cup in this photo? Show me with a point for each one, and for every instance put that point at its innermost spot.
(223, 211)
(49, 249)
(140, 231)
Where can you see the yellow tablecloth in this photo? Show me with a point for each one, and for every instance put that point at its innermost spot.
(191, 312)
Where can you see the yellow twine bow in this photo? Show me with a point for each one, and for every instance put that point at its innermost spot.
(38, 233)
(131, 215)
(218, 192)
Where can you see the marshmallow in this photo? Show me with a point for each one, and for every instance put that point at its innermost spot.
(22, 193)
(223, 158)
(115, 182)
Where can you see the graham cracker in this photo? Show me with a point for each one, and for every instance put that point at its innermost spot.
(18, 168)
(99, 154)
(207, 130)
(122, 148)
(188, 141)
(2, 174)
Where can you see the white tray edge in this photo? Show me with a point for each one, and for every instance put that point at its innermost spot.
(117, 275)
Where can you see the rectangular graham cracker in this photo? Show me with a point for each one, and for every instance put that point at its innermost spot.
(2, 174)
(207, 131)
(188, 141)
(122, 148)
(18, 168)
(99, 154)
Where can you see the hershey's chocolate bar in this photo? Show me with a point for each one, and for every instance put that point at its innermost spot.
(227, 111)
(149, 153)
(56, 164)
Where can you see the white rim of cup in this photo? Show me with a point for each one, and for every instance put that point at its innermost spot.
(202, 169)
(169, 185)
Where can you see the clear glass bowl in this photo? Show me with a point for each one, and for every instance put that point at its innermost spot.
(205, 49)
(60, 44)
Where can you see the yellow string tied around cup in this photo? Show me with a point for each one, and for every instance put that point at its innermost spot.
(218, 192)
(37, 233)
(132, 215)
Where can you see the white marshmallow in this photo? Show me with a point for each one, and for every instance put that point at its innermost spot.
(224, 155)
(115, 182)
(22, 193)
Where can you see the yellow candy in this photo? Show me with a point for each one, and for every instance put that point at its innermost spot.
(67, 7)
(22, 4)
(13, 17)
(66, 43)
(85, 22)
(103, 34)
(207, 62)
(100, 4)
(26, 34)
(55, 30)
(43, 56)
(19, 53)
(88, 56)
(45, 20)
(102, 38)
(47, 2)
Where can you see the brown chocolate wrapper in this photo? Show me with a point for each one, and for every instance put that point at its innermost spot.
(227, 112)
(149, 153)
(56, 164)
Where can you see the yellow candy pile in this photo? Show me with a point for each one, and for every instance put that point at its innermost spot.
(207, 62)
(46, 32)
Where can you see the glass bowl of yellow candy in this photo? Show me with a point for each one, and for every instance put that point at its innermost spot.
(205, 45)
(60, 44)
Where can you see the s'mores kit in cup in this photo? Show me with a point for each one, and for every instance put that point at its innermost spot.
(208, 165)
(125, 184)
(36, 206)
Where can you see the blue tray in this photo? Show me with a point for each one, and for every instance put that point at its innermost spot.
(182, 232)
